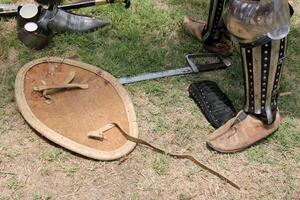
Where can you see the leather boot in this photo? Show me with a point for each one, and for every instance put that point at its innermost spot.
(220, 131)
(245, 130)
(213, 33)
(195, 28)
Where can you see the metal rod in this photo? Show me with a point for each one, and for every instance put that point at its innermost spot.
(155, 75)
(11, 10)
(78, 5)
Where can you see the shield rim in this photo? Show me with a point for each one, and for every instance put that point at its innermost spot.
(61, 140)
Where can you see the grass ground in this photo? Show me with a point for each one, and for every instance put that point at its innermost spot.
(147, 37)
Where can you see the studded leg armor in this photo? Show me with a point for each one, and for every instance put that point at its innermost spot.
(263, 63)
(263, 47)
(215, 27)
(262, 69)
(263, 52)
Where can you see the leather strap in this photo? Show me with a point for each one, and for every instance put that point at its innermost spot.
(61, 86)
(50, 89)
(174, 155)
(99, 134)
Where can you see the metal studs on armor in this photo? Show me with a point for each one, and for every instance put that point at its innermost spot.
(249, 61)
(278, 71)
(262, 76)
(266, 54)
(212, 32)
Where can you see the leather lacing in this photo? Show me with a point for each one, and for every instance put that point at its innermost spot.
(159, 150)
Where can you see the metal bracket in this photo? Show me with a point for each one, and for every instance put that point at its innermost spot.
(223, 63)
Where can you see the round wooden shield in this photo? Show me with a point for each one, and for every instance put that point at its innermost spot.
(72, 104)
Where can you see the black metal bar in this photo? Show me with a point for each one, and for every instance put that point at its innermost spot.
(71, 6)
(78, 5)
(8, 14)
(82, 4)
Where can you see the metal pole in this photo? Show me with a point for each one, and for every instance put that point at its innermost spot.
(11, 10)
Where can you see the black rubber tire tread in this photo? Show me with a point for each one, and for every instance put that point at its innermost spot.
(213, 103)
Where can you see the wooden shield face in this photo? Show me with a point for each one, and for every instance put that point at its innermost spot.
(68, 116)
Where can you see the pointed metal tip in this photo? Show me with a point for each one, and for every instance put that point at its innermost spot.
(103, 23)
